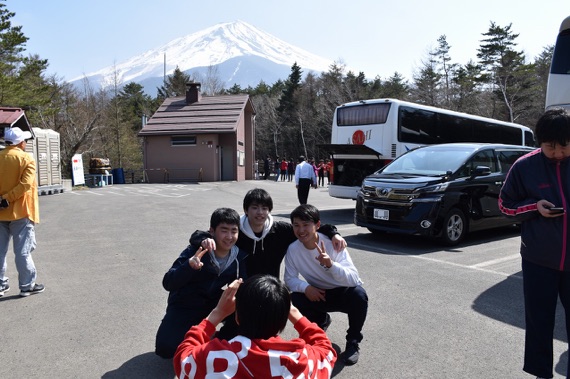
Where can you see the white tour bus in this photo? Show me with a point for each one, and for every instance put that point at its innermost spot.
(558, 89)
(368, 134)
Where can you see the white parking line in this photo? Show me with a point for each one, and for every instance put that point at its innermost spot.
(498, 260)
(427, 258)
(93, 192)
(115, 193)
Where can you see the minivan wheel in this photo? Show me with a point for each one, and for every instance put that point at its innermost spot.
(454, 227)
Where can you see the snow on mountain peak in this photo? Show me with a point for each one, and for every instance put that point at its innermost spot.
(211, 46)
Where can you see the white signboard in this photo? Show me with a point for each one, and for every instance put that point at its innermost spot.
(77, 167)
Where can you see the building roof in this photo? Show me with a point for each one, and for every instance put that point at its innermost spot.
(212, 114)
(13, 117)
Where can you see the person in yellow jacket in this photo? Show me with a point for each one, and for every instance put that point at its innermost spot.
(19, 210)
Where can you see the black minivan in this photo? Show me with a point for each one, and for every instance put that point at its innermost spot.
(440, 191)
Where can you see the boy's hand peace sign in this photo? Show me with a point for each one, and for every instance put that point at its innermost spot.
(196, 261)
(323, 257)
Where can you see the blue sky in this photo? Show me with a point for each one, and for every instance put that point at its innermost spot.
(378, 37)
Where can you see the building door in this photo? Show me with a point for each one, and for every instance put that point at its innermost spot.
(227, 163)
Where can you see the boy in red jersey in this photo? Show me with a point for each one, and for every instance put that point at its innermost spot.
(262, 306)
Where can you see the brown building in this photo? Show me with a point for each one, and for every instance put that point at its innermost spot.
(195, 138)
(13, 117)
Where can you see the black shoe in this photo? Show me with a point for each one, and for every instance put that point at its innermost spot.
(36, 289)
(325, 325)
(4, 288)
(351, 353)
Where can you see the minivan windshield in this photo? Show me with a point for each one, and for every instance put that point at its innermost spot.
(429, 161)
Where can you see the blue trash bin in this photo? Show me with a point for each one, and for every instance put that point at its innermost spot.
(118, 176)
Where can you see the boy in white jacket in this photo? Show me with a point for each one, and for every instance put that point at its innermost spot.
(330, 282)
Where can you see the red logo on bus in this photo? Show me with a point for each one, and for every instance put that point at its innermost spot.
(358, 137)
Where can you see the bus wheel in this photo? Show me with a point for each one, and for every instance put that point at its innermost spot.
(454, 228)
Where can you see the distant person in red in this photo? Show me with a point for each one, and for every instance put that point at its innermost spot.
(283, 169)
(262, 306)
(328, 171)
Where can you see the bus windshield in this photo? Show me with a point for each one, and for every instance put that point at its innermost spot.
(558, 87)
(561, 57)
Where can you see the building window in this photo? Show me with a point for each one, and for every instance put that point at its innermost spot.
(183, 140)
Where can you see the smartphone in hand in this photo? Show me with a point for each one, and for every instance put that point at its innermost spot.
(555, 209)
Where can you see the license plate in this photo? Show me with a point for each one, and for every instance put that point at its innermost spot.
(381, 214)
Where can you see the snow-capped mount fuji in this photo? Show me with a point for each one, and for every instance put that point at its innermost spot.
(242, 54)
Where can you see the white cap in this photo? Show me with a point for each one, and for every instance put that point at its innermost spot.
(14, 136)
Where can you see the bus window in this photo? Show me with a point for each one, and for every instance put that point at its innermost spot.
(365, 114)
(453, 129)
(417, 126)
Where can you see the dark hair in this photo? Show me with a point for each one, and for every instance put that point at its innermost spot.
(301, 158)
(257, 196)
(553, 126)
(306, 212)
(224, 215)
(262, 307)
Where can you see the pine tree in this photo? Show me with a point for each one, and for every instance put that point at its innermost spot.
(504, 69)
(443, 60)
(134, 105)
(174, 85)
(22, 82)
(426, 84)
(288, 105)
(465, 88)
(287, 102)
(395, 87)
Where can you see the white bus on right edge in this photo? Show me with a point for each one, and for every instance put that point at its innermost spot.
(558, 89)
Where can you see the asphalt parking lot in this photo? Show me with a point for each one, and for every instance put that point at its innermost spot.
(434, 312)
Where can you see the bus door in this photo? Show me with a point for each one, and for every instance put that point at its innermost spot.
(352, 163)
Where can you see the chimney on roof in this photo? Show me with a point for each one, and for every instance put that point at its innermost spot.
(193, 92)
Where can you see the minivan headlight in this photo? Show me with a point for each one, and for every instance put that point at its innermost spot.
(437, 188)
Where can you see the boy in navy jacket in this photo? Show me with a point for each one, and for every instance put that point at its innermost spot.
(197, 280)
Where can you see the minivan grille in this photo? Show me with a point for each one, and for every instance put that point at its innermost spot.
(388, 194)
